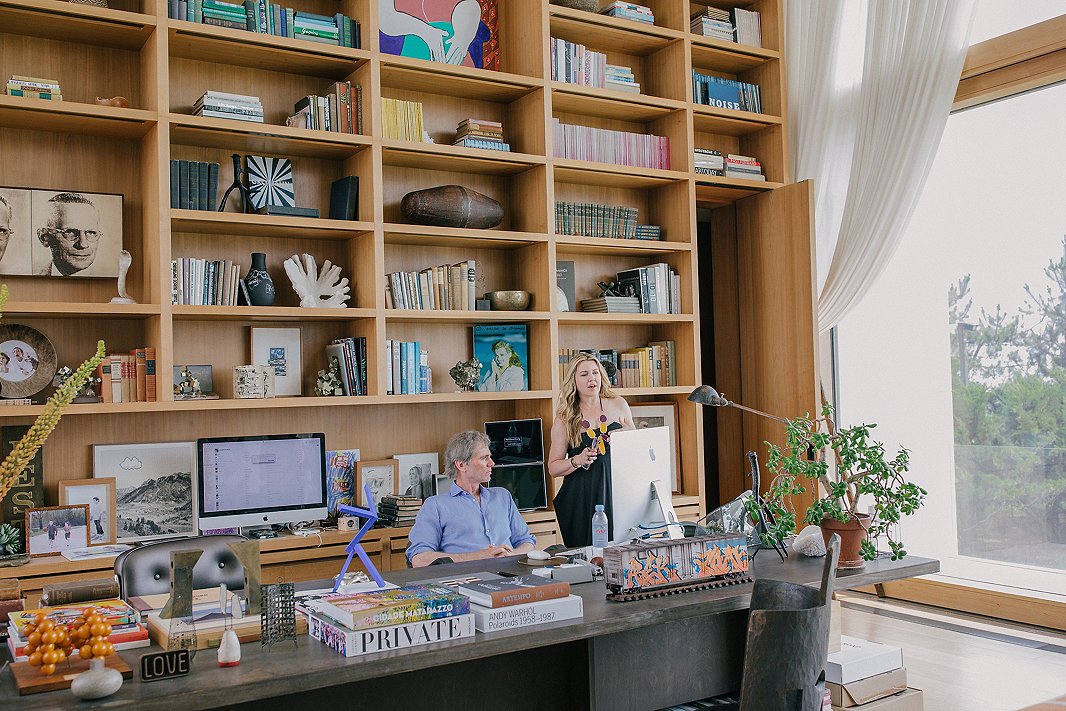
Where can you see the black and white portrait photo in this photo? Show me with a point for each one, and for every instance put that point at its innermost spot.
(14, 231)
(75, 234)
(417, 474)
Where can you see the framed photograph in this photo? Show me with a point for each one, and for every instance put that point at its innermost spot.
(416, 474)
(380, 474)
(99, 496)
(154, 487)
(340, 478)
(279, 348)
(54, 529)
(27, 361)
(503, 351)
(480, 45)
(15, 233)
(660, 414)
(75, 234)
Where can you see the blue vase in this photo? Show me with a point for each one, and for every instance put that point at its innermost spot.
(260, 285)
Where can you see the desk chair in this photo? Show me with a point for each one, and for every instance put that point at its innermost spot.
(146, 570)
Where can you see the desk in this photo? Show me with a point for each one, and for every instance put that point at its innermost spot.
(631, 655)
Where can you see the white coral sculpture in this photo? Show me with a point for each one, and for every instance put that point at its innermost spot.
(323, 290)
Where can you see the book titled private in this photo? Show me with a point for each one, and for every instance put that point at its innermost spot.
(352, 643)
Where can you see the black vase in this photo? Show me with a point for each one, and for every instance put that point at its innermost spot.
(260, 285)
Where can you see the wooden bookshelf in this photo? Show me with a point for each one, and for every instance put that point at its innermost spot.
(753, 273)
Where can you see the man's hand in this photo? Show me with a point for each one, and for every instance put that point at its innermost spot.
(497, 551)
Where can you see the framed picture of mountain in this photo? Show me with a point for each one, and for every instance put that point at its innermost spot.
(154, 488)
(460, 32)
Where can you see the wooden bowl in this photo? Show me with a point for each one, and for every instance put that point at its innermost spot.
(508, 300)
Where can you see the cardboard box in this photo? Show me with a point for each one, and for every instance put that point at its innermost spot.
(909, 700)
(858, 659)
(869, 689)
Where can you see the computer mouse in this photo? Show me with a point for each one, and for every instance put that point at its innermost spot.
(538, 555)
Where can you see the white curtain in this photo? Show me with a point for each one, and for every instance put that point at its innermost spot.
(867, 140)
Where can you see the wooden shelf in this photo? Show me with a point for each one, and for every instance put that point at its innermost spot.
(610, 104)
(470, 397)
(236, 223)
(724, 191)
(664, 391)
(602, 32)
(251, 137)
(241, 48)
(469, 83)
(434, 156)
(585, 317)
(73, 22)
(609, 175)
(426, 235)
(573, 244)
(75, 118)
(463, 316)
(45, 309)
(266, 313)
(730, 57)
(731, 123)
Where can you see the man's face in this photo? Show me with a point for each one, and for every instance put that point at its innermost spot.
(479, 468)
(74, 238)
(5, 227)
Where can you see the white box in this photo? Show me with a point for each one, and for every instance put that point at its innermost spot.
(859, 658)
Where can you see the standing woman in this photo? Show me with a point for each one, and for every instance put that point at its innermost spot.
(584, 462)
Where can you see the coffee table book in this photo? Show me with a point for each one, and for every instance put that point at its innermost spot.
(410, 603)
(353, 643)
(513, 591)
(494, 619)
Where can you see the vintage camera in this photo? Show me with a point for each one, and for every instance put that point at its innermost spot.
(348, 523)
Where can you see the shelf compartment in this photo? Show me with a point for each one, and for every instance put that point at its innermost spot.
(467, 397)
(262, 51)
(728, 56)
(571, 244)
(583, 317)
(74, 117)
(433, 156)
(610, 175)
(655, 392)
(724, 191)
(236, 223)
(72, 22)
(600, 30)
(467, 317)
(42, 309)
(266, 313)
(731, 123)
(249, 137)
(439, 78)
(610, 104)
(430, 236)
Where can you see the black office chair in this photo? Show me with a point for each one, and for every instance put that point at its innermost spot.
(146, 570)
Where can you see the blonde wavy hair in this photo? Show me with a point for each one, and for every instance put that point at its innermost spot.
(568, 409)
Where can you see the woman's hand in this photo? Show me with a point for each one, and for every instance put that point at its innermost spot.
(584, 458)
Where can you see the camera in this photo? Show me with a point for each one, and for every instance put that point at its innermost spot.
(347, 523)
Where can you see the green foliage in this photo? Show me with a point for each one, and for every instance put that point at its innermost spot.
(10, 540)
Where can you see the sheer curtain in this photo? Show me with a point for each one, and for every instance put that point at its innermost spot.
(868, 140)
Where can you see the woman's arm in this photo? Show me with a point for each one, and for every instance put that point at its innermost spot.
(558, 463)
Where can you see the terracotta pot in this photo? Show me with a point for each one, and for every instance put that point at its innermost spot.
(851, 534)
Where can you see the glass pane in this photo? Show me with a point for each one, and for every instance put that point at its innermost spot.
(998, 17)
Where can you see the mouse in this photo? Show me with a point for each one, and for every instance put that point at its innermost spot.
(538, 555)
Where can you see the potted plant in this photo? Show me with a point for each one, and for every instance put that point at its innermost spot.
(846, 465)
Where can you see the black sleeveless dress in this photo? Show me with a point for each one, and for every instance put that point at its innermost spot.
(581, 491)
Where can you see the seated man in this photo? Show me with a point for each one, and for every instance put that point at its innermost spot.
(469, 521)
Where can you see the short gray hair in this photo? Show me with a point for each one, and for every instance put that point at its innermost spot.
(460, 448)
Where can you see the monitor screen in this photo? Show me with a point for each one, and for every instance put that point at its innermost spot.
(260, 480)
(517, 448)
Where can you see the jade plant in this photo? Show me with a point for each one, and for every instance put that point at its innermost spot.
(10, 540)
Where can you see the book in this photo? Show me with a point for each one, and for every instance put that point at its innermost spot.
(116, 612)
(489, 619)
(344, 198)
(287, 211)
(410, 603)
(567, 286)
(75, 591)
(514, 591)
(124, 637)
(353, 643)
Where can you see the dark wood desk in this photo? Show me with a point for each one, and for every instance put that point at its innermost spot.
(632, 655)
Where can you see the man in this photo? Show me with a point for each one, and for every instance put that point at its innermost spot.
(72, 232)
(5, 225)
(96, 509)
(469, 521)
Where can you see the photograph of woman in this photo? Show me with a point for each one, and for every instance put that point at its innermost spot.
(505, 371)
(583, 462)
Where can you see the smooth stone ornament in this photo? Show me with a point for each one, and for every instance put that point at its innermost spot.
(451, 206)
(229, 650)
(809, 542)
(260, 285)
(96, 683)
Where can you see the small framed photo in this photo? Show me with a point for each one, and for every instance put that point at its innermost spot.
(279, 348)
(660, 414)
(380, 475)
(75, 234)
(416, 474)
(99, 496)
(503, 350)
(16, 237)
(54, 529)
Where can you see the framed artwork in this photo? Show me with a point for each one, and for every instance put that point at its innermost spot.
(75, 234)
(154, 488)
(416, 474)
(27, 361)
(54, 529)
(15, 233)
(460, 32)
(340, 478)
(279, 348)
(99, 496)
(380, 475)
(503, 351)
(270, 181)
(660, 414)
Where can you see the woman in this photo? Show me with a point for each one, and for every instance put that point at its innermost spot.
(506, 373)
(583, 461)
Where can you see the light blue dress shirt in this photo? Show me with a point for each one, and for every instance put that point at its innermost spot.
(455, 523)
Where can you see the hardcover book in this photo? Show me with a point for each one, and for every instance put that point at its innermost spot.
(489, 619)
(116, 612)
(514, 591)
(567, 286)
(481, 51)
(352, 643)
(410, 603)
(344, 198)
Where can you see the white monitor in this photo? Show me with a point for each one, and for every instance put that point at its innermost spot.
(640, 481)
(261, 480)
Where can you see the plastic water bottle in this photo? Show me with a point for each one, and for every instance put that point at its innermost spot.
(599, 531)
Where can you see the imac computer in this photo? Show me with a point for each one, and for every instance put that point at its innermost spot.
(254, 482)
(517, 448)
(640, 484)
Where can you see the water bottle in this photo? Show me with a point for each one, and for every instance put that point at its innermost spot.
(599, 531)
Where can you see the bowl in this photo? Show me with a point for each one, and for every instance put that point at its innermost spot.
(508, 300)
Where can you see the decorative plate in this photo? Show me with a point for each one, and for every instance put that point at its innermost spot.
(270, 181)
(27, 361)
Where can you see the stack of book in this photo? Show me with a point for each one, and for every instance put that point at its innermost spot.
(629, 11)
(657, 286)
(204, 282)
(723, 93)
(574, 63)
(350, 354)
(606, 146)
(500, 603)
(709, 161)
(609, 355)
(340, 110)
(620, 78)
(126, 630)
(270, 18)
(220, 104)
(448, 287)
(713, 22)
(649, 232)
(11, 600)
(407, 370)
(480, 133)
(34, 88)
(746, 167)
(651, 366)
(748, 25)
(129, 377)
(412, 615)
(402, 120)
(193, 184)
(397, 511)
(612, 305)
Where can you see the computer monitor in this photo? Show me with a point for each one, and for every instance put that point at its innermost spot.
(517, 448)
(640, 481)
(261, 480)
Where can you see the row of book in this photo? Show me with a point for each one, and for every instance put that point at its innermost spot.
(603, 145)
(480, 133)
(609, 355)
(127, 632)
(34, 87)
(657, 286)
(129, 377)
(407, 370)
(724, 93)
(340, 110)
(350, 356)
(736, 25)
(629, 11)
(587, 219)
(448, 287)
(402, 120)
(397, 511)
(206, 282)
(575, 63)
(193, 184)
(265, 17)
(649, 367)
(222, 104)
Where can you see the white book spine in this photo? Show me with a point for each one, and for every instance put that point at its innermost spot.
(494, 619)
(354, 643)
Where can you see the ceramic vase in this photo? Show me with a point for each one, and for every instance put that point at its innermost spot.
(96, 683)
(260, 285)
